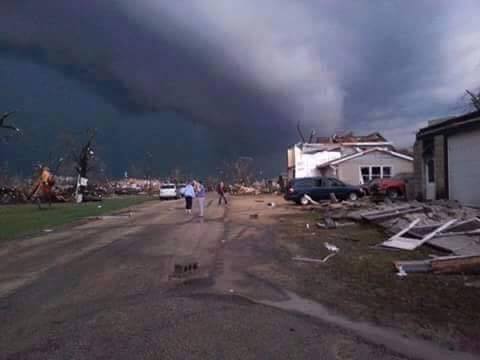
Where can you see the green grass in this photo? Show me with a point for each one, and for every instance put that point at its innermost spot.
(21, 220)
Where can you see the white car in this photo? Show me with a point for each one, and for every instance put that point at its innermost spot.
(180, 190)
(168, 191)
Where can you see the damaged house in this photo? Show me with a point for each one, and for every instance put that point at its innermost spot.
(353, 159)
(447, 159)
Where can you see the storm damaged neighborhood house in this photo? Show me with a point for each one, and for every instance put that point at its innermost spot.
(353, 159)
(447, 159)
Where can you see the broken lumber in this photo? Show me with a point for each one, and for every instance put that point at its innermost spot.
(435, 232)
(391, 213)
(333, 198)
(414, 266)
(459, 233)
(459, 245)
(318, 261)
(399, 242)
(310, 199)
(456, 264)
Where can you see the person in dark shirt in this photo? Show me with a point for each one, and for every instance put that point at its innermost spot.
(221, 193)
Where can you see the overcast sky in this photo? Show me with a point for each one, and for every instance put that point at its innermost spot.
(241, 73)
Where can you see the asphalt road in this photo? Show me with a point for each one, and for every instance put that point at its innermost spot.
(107, 289)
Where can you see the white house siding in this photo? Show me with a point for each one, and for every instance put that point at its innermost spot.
(349, 171)
(306, 165)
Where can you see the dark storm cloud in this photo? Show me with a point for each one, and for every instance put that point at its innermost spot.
(260, 66)
(137, 69)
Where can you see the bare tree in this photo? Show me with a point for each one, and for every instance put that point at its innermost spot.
(240, 171)
(5, 126)
(300, 133)
(83, 157)
(82, 161)
(474, 99)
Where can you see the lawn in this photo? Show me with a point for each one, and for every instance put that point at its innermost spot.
(20, 220)
(360, 282)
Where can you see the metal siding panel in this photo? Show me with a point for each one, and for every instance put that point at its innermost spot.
(464, 168)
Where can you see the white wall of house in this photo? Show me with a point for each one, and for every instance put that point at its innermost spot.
(379, 164)
(306, 165)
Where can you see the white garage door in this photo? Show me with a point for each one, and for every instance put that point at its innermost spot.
(464, 168)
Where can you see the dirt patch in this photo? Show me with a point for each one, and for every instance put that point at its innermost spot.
(361, 282)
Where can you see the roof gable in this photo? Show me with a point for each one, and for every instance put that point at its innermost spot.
(365, 152)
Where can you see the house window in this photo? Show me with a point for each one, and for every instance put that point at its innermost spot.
(368, 173)
(365, 171)
(386, 172)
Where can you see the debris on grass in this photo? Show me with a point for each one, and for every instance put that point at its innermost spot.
(401, 272)
(331, 247)
(333, 198)
(469, 264)
(311, 200)
(329, 223)
(305, 259)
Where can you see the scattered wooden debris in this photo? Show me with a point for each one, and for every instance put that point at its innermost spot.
(311, 200)
(391, 213)
(459, 245)
(415, 266)
(333, 198)
(318, 261)
(329, 223)
(331, 247)
(456, 264)
(469, 264)
(400, 242)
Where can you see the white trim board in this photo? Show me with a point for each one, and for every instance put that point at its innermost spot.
(353, 156)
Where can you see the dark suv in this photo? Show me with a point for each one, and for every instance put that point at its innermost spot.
(320, 188)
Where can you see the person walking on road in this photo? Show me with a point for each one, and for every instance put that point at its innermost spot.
(221, 193)
(189, 194)
(200, 193)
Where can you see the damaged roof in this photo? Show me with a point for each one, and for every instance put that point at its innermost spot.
(364, 152)
(452, 124)
(351, 138)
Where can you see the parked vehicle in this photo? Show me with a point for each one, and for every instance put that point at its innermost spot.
(392, 187)
(168, 191)
(320, 188)
(180, 190)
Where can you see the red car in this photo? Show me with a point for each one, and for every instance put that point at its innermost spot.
(393, 187)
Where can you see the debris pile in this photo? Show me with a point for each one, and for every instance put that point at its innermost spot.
(468, 264)
(12, 195)
(238, 189)
(444, 225)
